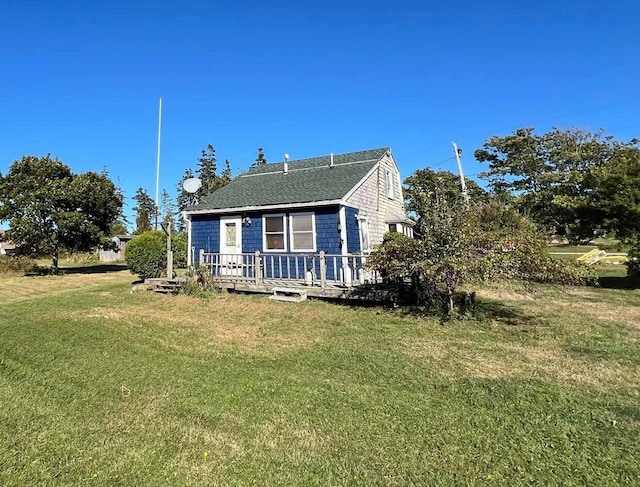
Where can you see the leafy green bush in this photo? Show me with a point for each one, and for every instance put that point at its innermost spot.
(466, 245)
(392, 236)
(17, 264)
(199, 283)
(146, 254)
(179, 247)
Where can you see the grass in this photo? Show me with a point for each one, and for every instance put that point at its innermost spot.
(100, 385)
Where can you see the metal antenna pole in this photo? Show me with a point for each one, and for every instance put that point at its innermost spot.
(458, 153)
(158, 160)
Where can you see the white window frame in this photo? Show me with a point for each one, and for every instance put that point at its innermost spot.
(389, 183)
(363, 220)
(264, 232)
(313, 231)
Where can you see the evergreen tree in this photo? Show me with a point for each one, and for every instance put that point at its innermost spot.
(145, 210)
(167, 210)
(225, 175)
(120, 227)
(207, 172)
(207, 167)
(184, 199)
(260, 159)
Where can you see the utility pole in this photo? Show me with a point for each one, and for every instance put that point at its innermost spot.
(458, 154)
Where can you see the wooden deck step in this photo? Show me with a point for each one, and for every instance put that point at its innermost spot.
(288, 294)
(164, 286)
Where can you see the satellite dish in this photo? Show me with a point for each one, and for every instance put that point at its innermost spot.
(191, 185)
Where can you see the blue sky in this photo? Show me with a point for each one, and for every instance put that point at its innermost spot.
(82, 80)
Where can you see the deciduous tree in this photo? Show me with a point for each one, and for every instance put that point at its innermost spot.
(458, 244)
(427, 187)
(50, 209)
(551, 177)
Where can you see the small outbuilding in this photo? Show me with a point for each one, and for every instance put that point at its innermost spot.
(117, 255)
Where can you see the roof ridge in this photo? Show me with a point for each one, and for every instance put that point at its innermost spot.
(343, 154)
(297, 169)
(319, 161)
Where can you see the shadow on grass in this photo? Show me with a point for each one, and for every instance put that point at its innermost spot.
(93, 269)
(616, 282)
(483, 311)
(504, 314)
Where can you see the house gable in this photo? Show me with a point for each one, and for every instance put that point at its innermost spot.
(380, 205)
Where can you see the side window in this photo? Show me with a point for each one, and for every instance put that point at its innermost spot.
(273, 232)
(389, 183)
(363, 228)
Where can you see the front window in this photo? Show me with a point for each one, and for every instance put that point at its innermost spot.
(302, 232)
(274, 232)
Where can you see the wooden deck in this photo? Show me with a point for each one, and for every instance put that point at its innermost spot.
(317, 275)
(364, 292)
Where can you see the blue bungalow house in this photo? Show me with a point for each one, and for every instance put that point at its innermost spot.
(297, 216)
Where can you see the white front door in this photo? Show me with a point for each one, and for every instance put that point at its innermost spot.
(230, 245)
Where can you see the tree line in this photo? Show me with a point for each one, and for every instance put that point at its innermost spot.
(169, 211)
(572, 183)
(569, 183)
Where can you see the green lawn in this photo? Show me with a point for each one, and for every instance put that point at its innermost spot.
(103, 386)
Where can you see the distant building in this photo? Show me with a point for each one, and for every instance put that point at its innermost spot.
(118, 254)
(6, 246)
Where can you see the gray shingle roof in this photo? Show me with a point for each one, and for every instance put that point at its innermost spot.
(307, 181)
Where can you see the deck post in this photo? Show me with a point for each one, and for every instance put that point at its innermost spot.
(201, 257)
(257, 268)
(323, 270)
(347, 272)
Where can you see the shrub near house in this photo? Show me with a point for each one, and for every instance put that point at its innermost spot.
(146, 254)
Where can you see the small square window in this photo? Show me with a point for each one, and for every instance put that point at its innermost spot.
(274, 232)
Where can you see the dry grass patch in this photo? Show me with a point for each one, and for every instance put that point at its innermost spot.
(251, 325)
(282, 434)
(20, 287)
(501, 360)
(617, 314)
(505, 294)
(583, 304)
(205, 453)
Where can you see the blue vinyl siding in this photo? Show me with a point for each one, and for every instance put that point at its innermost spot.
(205, 234)
(353, 233)
(327, 235)
(252, 234)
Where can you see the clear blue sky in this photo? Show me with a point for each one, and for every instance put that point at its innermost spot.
(82, 80)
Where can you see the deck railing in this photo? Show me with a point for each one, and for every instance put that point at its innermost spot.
(310, 269)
